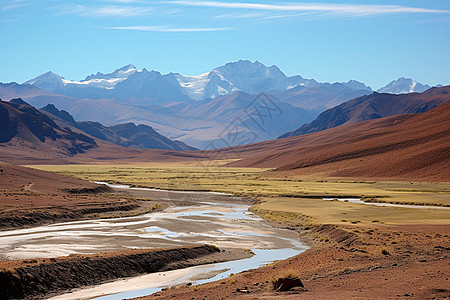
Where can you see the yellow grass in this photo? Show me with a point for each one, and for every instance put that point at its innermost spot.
(282, 194)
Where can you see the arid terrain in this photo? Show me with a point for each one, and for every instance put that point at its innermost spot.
(218, 149)
(388, 262)
(371, 199)
(31, 197)
(359, 251)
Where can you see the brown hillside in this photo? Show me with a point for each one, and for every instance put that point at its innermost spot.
(375, 106)
(30, 197)
(409, 146)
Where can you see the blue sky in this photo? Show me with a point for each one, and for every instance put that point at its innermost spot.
(367, 40)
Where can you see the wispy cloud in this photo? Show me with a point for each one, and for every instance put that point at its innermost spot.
(12, 4)
(241, 16)
(103, 11)
(344, 9)
(169, 29)
(125, 1)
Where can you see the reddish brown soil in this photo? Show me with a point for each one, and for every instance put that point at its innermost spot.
(31, 197)
(351, 265)
(412, 147)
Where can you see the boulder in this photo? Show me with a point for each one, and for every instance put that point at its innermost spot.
(285, 284)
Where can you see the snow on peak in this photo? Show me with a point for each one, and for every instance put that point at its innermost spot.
(123, 73)
(404, 86)
(48, 81)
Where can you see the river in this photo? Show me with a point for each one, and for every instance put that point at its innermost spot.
(207, 218)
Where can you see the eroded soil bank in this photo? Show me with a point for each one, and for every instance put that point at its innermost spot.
(36, 278)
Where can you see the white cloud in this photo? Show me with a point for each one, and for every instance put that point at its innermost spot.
(343, 9)
(13, 4)
(125, 1)
(240, 16)
(103, 11)
(118, 11)
(168, 29)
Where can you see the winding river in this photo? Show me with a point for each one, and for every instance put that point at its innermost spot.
(198, 218)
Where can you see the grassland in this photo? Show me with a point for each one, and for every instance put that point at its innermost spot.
(285, 198)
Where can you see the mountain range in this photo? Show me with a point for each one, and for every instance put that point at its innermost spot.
(197, 110)
(407, 138)
(151, 86)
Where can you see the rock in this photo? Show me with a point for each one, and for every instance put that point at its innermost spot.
(285, 284)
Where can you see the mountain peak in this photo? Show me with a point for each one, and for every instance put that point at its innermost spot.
(127, 67)
(121, 73)
(357, 85)
(404, 86)
(47, 81)
(50, 75)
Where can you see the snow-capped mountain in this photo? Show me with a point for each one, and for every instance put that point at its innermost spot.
(243, 76)
(152, 87)
(48, 81)
(404, 86)
(207, 85)
(58, 84)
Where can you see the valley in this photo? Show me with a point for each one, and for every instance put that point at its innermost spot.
(212, 150)
(358, 245)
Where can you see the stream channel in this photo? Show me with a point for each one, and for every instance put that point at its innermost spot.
(196, 218)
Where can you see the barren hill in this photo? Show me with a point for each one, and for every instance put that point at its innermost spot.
(408, 146)
(373, 107)
(24, 127)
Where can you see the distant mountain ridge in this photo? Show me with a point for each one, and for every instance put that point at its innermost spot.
(127, 134)
(373, 107)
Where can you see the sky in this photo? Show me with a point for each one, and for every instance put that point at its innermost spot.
(373, 41)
